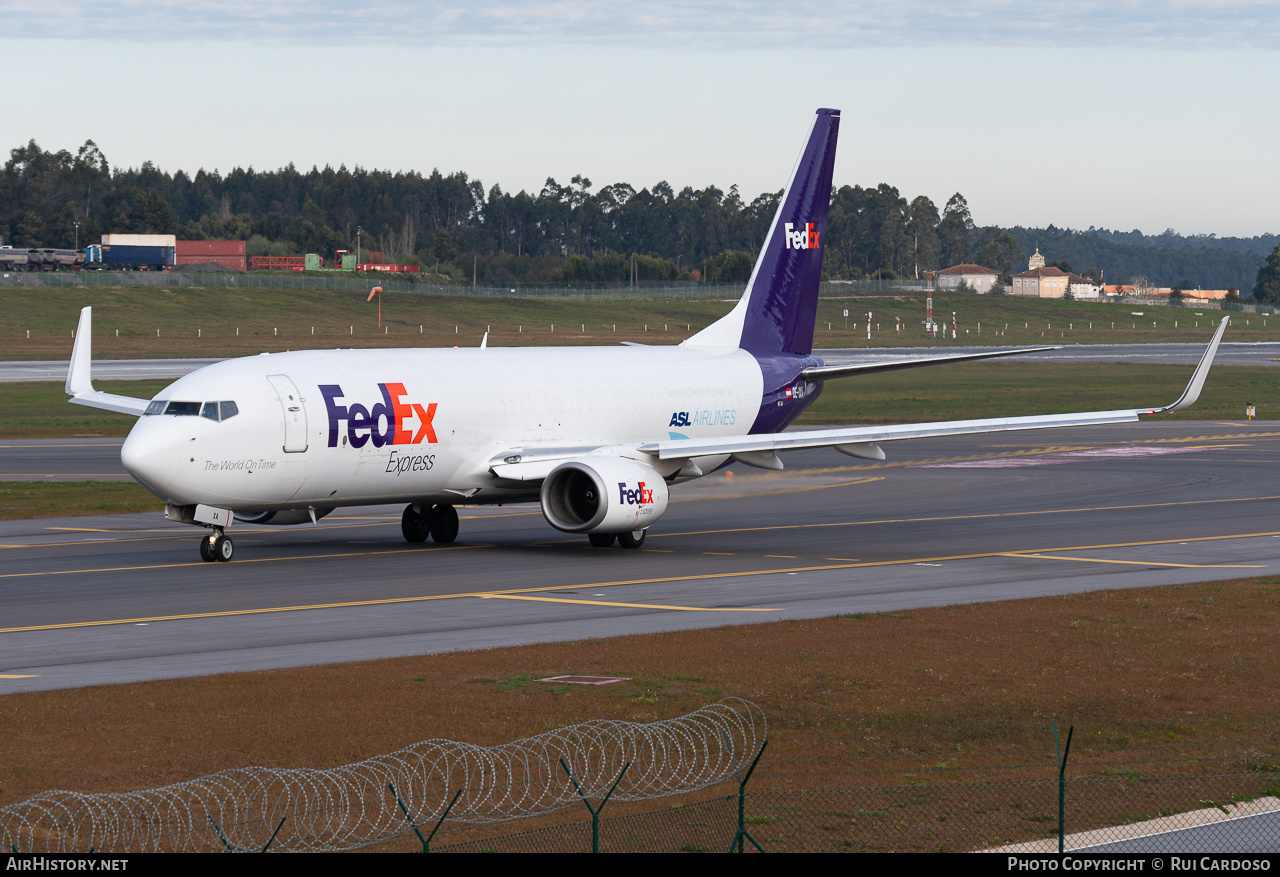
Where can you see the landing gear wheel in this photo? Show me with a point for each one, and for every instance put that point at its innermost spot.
(602, 540)
(206, 549)
(632, 539)
(443, 523)
(223, 548)
(413, 524)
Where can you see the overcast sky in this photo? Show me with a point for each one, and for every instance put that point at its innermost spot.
(1117, 114)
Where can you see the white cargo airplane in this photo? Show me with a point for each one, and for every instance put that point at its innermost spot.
(595, 434)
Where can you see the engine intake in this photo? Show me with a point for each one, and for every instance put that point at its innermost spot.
(603, 495)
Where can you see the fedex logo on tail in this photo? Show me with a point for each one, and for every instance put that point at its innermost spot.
(804, 239)
(385, 423)
(640, 496)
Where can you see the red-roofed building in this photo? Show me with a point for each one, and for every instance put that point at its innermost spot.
(975, 277)
(1042, 283)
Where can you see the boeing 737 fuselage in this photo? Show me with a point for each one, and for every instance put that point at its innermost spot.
(595, 435)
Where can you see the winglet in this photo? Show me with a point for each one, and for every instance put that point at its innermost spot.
(1192, 392)
(79, 371)
(80, 375)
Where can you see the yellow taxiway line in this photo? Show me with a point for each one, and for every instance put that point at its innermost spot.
(628, 605)
(1136, 562)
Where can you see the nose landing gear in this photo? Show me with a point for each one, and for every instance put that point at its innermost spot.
(216, 546)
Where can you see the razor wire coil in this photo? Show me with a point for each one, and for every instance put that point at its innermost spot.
(355, 805)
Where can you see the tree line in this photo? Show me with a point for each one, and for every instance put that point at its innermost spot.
(573, 232)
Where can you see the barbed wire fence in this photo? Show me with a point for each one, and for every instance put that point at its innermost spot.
(372, 801)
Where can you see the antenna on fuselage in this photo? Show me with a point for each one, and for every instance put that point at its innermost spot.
(484, 342)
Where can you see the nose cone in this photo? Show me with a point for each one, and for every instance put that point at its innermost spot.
(149, 455)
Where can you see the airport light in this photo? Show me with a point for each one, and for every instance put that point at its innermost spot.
(77, 225)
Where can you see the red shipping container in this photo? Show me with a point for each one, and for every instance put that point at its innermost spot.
(231, 263)
(210, 248)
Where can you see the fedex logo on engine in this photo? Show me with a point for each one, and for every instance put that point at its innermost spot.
(385, 423)
(640, 496)
(804, 239)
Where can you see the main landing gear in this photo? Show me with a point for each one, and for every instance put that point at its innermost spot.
(216, 546)
(632, 539)
(419, 521)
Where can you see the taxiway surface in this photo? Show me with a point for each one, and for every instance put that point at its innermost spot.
(942, 521)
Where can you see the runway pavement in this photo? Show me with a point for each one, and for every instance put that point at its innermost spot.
(1230, 353)
(119, 598)
(68, 459)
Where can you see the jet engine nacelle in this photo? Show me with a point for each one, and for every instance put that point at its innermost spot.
(603, 495)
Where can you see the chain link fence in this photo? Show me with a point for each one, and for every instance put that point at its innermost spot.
(1236, 812)
(675, 290)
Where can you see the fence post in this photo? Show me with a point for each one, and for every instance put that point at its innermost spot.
(221, 836)
(595, 811)
(742, 799)
(274, 833)
(426, 842)
(1062, 781)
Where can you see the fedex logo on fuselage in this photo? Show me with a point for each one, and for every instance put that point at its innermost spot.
(385, 423)
(640, 496)
(804, 239)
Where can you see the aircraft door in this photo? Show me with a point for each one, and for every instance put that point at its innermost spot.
(295, 413)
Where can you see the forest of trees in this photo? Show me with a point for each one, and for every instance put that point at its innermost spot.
(563, 233)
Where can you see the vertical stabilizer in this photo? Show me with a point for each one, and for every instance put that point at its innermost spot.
(777, 312)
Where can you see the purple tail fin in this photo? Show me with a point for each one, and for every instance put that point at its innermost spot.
(777, 311)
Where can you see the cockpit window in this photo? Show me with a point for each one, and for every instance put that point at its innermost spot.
(212, 410)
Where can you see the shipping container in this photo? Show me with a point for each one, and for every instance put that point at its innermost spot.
(231, 263)
(209, 248)
(128, 257)
(141, 240)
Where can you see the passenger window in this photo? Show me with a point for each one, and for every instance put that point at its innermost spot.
(183, 409)
(229, 410)
(156, 407)
(210, 410)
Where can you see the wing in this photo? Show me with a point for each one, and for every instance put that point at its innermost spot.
(531, 465)
(80, 375)
(863, 441)
(826, 372)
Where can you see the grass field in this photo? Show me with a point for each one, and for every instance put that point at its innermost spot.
(154, 323)
(23, 500)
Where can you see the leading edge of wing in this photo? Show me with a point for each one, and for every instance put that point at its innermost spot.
(827, 372)
(863, 435)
